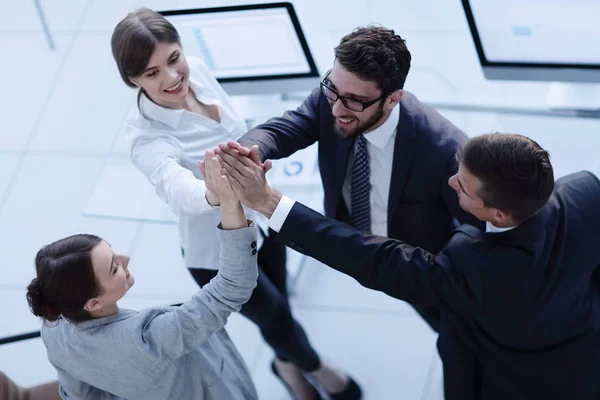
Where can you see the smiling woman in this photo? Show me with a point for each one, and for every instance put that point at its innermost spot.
(182, 113)
(103, 352)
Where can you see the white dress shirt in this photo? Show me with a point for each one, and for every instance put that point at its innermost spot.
(489, 228)
(380, 145)
(166, 145)
(285, 206)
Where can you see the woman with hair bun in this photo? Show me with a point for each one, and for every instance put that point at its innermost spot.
(160, 353)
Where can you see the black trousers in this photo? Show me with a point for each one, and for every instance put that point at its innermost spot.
(269, 307)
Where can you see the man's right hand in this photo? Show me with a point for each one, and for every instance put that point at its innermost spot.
(247, 178)
(251, 153)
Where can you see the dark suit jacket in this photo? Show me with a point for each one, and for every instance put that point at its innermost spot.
(520, 309)
(422, 207)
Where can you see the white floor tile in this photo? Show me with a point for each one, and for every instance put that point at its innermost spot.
(18, 318)
(8, 165)
(89, 103)
(387, 355)
(121, 143)
(26, 363)
(62, 16)
(102, 17)
(30, 73)
(157, 264)
(138, 200)
(247, 339)
(44, 205)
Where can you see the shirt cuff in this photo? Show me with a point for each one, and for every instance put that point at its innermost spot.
(281, 212)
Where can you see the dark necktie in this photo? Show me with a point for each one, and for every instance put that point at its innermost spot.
(360, 187)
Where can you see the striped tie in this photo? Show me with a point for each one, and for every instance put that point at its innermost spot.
(360, 187)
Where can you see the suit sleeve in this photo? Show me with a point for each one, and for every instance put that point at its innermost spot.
(282, 136)
(387, 265)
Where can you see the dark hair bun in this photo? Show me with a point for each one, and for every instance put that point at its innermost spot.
(39, 308)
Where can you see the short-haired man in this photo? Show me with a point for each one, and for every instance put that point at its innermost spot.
(384, 157)
(520, 301)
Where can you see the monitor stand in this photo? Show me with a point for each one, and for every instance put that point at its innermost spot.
(574, 96)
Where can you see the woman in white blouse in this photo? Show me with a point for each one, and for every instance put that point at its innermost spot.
(183, 112)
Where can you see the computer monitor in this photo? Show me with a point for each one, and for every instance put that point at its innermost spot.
(250, 49)
(541, 40)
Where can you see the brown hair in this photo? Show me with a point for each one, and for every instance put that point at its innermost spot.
(134, 40)
(65, 279)
(515, 172)
(376, 54)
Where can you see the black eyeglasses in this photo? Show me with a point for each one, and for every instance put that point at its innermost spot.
(350, 104)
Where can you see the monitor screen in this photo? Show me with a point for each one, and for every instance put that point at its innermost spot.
(240, 43)
(536, 32)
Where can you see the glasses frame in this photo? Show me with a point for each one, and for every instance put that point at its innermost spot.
(344, 99)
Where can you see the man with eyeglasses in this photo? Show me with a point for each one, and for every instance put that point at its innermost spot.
(384, 157)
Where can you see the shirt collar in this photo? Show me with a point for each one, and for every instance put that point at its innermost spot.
(380, 136)
(168, 116)
(489, 228)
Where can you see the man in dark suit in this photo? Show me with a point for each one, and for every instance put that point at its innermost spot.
(520, 301)
(384, 157)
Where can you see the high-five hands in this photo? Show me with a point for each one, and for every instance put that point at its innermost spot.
(217, 184)
(246, 174)
(232, 214)
(251, 153)
(211, 196)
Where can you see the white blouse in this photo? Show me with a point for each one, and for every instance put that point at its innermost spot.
(166, 145)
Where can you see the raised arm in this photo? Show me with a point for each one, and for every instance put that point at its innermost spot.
(282, 136)
(388, 265)
(159, 160)
(398, 269)
(174, 333)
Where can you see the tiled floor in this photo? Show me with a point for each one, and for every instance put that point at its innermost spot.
(65, 170)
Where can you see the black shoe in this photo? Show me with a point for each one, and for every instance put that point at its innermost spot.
(351, 392)
(274, 369)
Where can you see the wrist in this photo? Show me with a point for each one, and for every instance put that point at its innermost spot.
(270, 203)
(211, 199)
(231, 205)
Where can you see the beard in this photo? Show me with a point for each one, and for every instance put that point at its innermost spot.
(361, 127)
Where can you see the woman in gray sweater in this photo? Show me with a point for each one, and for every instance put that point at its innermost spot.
(103, 352)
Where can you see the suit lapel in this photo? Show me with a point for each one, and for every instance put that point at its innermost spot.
(343, 151)
(404, 149)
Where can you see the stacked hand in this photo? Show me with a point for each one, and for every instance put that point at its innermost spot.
(216, 183)
(232, 215)
(242, 168)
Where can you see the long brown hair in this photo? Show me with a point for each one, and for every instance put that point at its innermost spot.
(134, 40)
